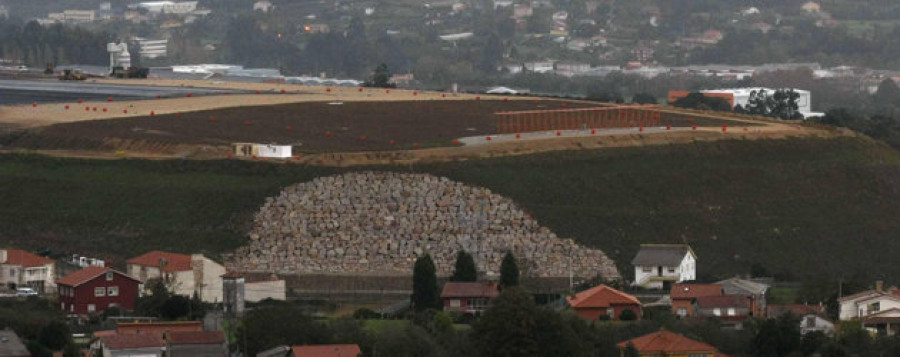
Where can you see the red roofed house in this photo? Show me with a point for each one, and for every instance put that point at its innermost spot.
(93, 289)
(683, 295)
(19, 268)
(732, 310)
(603, 300)
(668, 344)
(326, 351)
(185, 274)
(200, 343)
(468, 297)
(132, 345)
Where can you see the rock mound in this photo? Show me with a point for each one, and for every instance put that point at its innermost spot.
(379, 222)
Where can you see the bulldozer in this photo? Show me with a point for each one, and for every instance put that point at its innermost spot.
(70, 75)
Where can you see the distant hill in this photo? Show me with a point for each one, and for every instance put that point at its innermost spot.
(801, 208)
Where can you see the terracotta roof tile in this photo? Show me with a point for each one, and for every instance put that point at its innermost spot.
(195, 337)
(169, 261)
(692, 290)
(88, 273)
(601, 296)
(665, 341)
(120, 342)
(455, 289)
(326, 351)
(25, 258)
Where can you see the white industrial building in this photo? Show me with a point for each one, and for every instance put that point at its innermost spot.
(169, 7)
(152, 48)
(740, 96)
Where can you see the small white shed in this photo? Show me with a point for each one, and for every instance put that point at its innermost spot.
(262, 150)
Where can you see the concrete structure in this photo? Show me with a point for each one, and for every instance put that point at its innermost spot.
(11, 345)
(468, 297)
(262, 150)
(132, 346)
(169, 7)
(684, 294)
(152, 48)
(816, 322)
(233, 294)
(190, 344)
(183, 274)
(19, 268)
(603, 300)
(270, 287)
(668, 344)
(753, 291)
(93, 289)
(656, 266)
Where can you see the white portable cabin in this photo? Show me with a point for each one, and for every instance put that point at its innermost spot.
(262, 150)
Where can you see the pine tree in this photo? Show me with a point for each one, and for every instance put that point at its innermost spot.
(509, 271)
(465, 269)
(425, 289)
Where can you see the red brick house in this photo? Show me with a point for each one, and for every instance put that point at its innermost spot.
(468, 297)
(93, 289)
(603, 300)
(683, 295)
(668, 344)
(346, 350)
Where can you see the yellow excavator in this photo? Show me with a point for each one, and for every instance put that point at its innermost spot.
(70, 75)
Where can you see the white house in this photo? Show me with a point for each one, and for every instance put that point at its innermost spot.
(864, 304)
(184, 274)
(19, 268)
(656, 266)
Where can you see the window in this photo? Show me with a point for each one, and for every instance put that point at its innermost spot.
(810, 321)
(697, 355)
(91, 308)
(476, 303)
(109, 276)
(99, 291)
(610, 312)
(454, 302)
(671, 270)
(731, 311)
(681, 311)
(647, 269)
(72, 308)
(874, 307)
(717, 311)
(62, 306)
(12, 272)
(112, 291)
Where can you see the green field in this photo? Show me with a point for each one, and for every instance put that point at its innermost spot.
(803, 208)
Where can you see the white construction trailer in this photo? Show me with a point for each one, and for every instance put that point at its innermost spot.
(262, 150)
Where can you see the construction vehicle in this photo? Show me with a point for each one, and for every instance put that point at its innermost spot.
(131, 72)
(72, 75)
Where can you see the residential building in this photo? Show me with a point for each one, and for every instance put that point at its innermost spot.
(570, 69)
(669, 344)
(316, 28)
(731, 310)
(169, 7)
(811, 6)
(184, 274)
(20, 268)
(753, 291)
(539, 67)
(657, 266)
(93, 289)
(683, 295)
(345, 350)
(885, 322)
(603, 300)
(200, 343)
(869, 302)
(468, 297)
(11, 345)
(811, 322)
(263, 5)
(131, 345)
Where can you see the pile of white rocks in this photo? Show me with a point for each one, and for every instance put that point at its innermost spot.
(380, 222)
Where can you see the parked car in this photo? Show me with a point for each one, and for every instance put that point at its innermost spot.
(26, 292)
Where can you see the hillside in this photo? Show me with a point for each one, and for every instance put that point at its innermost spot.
(799, 207)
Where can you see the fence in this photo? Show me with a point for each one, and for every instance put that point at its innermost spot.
(577, 118)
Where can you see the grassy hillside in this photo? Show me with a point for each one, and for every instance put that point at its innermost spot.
(802, 208)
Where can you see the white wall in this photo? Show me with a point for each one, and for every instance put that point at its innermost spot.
(280, 151)
(261, 290)
(860, 308)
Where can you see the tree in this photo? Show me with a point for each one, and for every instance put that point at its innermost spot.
(644, 98)
(294, 327)
(381, 78)
(55, 335)
(509, 327)
(888, 93)
(777, 337)
(425, 289)
(175, 307)
(509, 271)
(630, 351)
(627, 315)
(465, 269)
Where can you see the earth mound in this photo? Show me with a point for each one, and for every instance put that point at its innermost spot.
(380, 222)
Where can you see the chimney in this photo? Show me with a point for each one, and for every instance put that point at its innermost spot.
(879, 285)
